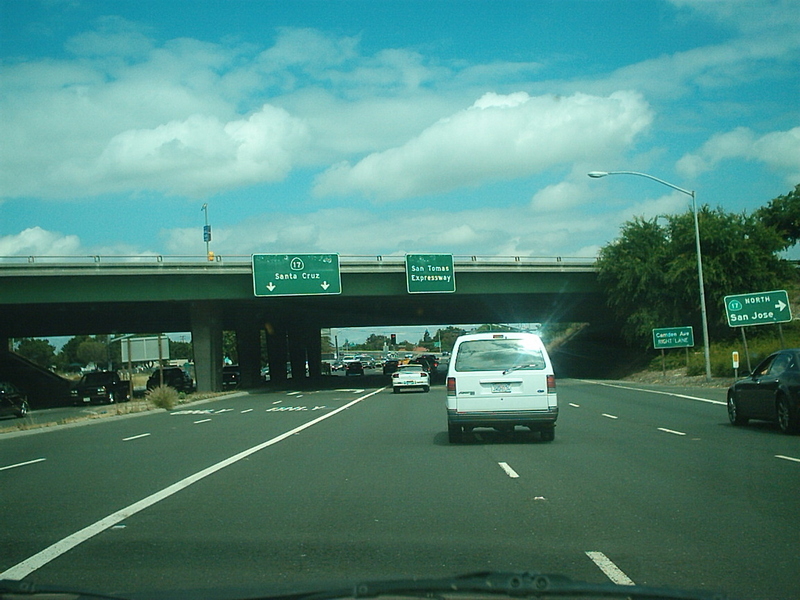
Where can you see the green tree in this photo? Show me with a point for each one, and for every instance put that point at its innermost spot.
(374, 342)
(448, 337)
(649, 274)
(69, 352)
(38, 351)
(93, 351)
(179, 349)
(783, 215)
(230, 350)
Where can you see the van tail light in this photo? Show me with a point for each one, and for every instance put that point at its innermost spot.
(451, 386)
(551, 384)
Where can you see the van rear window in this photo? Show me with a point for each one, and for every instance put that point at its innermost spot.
(498, 355)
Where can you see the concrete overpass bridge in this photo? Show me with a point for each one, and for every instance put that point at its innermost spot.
(52, 296)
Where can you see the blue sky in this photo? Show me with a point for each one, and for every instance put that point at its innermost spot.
(385, 127)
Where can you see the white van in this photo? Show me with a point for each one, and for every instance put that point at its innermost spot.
(501, 380)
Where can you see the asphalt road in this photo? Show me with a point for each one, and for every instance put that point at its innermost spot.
(289, 488)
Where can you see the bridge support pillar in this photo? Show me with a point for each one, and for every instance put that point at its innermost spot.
(313, 341)
(297, 353)
(248, 342)
(207, 346)
(276, 351)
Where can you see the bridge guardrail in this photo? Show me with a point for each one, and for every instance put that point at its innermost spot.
(238, 259)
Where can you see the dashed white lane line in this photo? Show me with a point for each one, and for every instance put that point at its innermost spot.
(135, 437)
(509, 471)
(202, 421)
(574, 405)
(612, 571)
(791, 458)
(247, 410)
(22, 464)
(672, 431)
(41, 558)
(610, 416)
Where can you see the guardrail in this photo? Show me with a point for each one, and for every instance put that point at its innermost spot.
(238, 259)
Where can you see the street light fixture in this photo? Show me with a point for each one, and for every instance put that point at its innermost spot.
(706, 348)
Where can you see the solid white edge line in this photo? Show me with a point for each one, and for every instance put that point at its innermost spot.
(509, 471)
(22, 464)
(665, 430)
(135, 437)
(38, 560)
(629, 387)
(787, 458)
(612, 571)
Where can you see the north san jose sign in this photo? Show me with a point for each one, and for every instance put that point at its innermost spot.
(673, 337)
(296, 274)
(430, 273)
(761, 308)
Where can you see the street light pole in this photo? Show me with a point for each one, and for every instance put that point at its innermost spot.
(703, 314)
(207, 233)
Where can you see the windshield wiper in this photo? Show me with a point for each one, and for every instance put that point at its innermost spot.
(517, 367)
(492, 583)
(524, 584)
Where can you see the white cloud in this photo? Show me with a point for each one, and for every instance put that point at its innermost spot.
(194, 157)
(499, 137)
(559, 196)
(780, 150)
(36, 241)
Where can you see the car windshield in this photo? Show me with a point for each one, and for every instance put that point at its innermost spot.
(97, 378)
(477, 295)
(498, 355)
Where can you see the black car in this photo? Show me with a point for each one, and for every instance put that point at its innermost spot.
(771, 393)
(230, 376)
(13, 403)
(101, 387)
(174, 377)
(390, 366)
(354, 367)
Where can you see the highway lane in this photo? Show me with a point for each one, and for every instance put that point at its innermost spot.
(376, 490)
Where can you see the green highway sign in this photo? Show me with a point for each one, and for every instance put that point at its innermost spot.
(296, 274)
(673, 337)
(430, 273)
(761, 308)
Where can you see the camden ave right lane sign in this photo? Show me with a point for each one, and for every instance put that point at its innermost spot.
(761, 308)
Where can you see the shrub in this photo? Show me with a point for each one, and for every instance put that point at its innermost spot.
(163, 396)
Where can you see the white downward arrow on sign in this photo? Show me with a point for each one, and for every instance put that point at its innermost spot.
(325, 285)
(780, 305)
(271, 286)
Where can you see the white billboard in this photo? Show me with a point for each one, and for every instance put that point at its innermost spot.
(144, 349)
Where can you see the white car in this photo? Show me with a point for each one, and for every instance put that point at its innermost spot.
(410, 376)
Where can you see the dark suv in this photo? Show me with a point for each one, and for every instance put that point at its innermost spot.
(174, 377)
(354, 367)
(101, 387)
